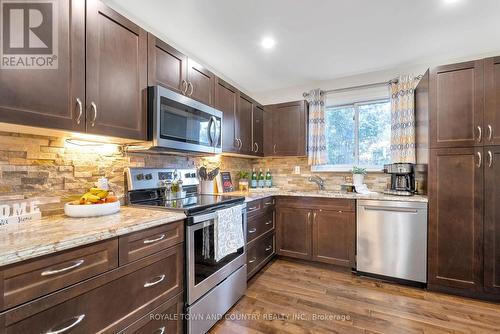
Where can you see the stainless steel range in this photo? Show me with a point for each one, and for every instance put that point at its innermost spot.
(213, 285)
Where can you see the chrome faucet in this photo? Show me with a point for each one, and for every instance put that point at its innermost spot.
(318, 180)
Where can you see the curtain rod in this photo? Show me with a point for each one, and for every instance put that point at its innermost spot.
(375, 84)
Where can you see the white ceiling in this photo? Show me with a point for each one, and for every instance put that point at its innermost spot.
(318, 40)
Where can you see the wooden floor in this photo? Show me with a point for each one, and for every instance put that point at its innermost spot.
(294, 297)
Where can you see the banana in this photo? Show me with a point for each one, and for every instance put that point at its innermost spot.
(103, 194)
(89, 197)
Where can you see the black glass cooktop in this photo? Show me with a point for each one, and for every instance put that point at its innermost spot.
(194, 204)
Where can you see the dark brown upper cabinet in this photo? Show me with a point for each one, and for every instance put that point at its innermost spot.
(242, 120)
(51, 98)
(492, 101)
(287, 131)
(244, 124)
(166, 66)
(226, 100)
(116, 74)
(258, 130)
(456, 98)
(455, 251)
(201, 83)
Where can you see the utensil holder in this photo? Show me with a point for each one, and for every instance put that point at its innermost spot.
(207, 187)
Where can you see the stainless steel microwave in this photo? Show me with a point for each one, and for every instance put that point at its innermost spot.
(180, 123)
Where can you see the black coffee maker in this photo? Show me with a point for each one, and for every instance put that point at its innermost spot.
(402, 179)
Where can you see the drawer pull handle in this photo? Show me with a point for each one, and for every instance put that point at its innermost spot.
(252, 260)
(50, 272)
(160, 330)
(269, 222)
(150, 241)
(269, 203)
(159, 280)
(255, 208)
(253, 230)
(78, 319)
(268, 248)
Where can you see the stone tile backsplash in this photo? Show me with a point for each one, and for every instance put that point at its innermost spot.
(283, 177)
(54, 171)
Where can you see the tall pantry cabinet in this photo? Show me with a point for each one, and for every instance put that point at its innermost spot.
(457, 136)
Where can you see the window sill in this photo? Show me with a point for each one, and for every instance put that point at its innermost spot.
(342, 169)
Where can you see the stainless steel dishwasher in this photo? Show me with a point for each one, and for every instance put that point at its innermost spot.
(392, 239)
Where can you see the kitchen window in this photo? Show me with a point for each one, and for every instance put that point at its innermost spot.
(357, 134)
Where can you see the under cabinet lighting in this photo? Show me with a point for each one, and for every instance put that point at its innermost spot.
(84, 146)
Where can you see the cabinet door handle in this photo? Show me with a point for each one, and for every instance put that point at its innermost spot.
(241, 144)
(184, 86)
(490, 159)
(490, 132)
(253, 230)
(190, 84)
(93, 107)
(51, 272)
(269, 203)
(268, 248)
(78, 319)
(480, 160)
(157, 281)
(274, 148)
(150, 241)
(256, 147)
(80, 110)
(314, 217)
(269, 222)
(160, 330)
(308, 217)
(479, 134)
(252, 260)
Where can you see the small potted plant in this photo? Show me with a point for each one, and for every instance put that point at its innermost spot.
(243, 180)
(358, 175)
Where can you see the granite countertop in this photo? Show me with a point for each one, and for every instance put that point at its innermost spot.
(19, 242)
(259, 194)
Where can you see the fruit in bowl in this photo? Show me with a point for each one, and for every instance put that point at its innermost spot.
(95, 196)
(96, 202)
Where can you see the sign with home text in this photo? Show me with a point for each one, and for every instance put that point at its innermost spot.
(19, 212)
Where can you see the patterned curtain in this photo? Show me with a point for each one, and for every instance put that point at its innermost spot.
(403, 120)
(316, 144)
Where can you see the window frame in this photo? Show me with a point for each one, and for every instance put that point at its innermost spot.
(347, 168)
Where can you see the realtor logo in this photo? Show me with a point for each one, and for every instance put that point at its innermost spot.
(29, 34)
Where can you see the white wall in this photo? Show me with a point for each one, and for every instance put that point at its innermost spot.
(295, 93)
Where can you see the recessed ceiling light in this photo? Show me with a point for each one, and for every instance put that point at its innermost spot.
(268, 43)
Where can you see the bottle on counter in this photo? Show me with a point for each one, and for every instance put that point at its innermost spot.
(253, 182)
(269, 179)
(261, 181)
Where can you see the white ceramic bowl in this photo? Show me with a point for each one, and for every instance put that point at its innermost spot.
(91, 210)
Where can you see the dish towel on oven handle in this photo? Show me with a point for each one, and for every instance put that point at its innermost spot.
(228, 232)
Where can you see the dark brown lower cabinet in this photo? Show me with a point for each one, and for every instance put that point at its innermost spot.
(293, 232)
(311, 229)
(108, 307)
(455, 259)
(334, 237)
(492, 220)
(166, 318)
(86, 290)
(261, 244)
(259, 252)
